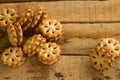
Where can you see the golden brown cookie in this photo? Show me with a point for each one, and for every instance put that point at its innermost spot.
(32, 44)
(32, 23)
(20, 63)
(112, 45)
(27, 24)
(12, 56)
(7, 16)
(51, 29)
(43, 17)
(37, 16)
(25, 15)
(49, 53)
(15, 34)
(100, 58)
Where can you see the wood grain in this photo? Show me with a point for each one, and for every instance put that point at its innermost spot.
(84, 22)
(68, 68)
(16, 1)
(79, 11)
(80, 38)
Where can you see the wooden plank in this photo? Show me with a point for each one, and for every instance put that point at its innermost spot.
(68, 68)
(77, 11)
(14, 1)
(80, 38)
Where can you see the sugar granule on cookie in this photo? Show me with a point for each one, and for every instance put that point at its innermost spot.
(13, 57)
(49, 53)
(100, 59)
(7, 16)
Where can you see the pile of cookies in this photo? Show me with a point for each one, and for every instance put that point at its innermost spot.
(107, 51)
(44, 32)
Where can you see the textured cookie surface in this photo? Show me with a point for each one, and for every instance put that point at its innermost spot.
(32, 44)
(49, 53)
(43, 17)
(37, 16)
(25, 15)
(51, 29)
(112, 45)
(7, 15)
(15, 34)
(12, 56)
(100, 59)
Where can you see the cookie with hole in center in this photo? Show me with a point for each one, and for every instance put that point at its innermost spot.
(112, 45)
(49, 53)
(15, 34)
(32, 44)
(100, 58)
(7, 16)
(51, 29)
(13, 57)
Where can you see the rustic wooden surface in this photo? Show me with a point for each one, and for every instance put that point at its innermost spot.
(84, 22)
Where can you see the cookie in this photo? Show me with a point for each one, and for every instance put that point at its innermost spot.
(43, 17)
(34, 20)
(15, 34)
(37, 16)
(100, 58)
(49, 53)
(29, 21)
(51, 29)
(112, 45)
(7, 16)
(20, 63)
(12, 56)
(32, 44)
(25, 15)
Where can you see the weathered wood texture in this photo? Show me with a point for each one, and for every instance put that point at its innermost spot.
(16, 1)
(81, 38)
(77, 11)
(84, 22)
(68, 68)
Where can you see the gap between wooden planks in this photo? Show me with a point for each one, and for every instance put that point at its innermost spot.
(68, 68)
(77, 11)
(80, 38)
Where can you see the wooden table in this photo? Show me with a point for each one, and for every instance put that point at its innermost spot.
(85, 22)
